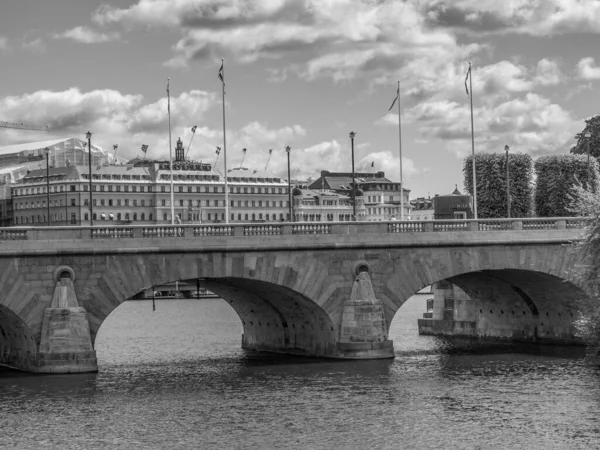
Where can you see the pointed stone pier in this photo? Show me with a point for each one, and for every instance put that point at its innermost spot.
(364, 331)
(66, 343)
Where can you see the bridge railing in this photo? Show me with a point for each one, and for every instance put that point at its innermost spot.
(287, 228)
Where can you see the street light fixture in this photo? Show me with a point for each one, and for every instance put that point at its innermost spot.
(352, 134)
(47, 150)
(587, 137)
(288, 151)
(506, 148)
(88, 135)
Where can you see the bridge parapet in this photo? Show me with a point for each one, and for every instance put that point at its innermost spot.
(289, 229)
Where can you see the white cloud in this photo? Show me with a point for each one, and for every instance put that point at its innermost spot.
(86, 35)
(340, 39)
(587, 69)
(547, 73)
(130, 121)
(389, 163)
(35, 45)
(534, 17)
(3, 44)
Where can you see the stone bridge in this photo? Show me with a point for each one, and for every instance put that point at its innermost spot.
(324, 290)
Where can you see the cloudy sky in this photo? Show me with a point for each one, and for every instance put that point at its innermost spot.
(305, 73)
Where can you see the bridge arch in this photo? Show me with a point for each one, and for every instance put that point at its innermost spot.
(516, 292)
(268, 296)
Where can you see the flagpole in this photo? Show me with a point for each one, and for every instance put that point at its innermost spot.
(243, 158)
(473, 145)
(170, 155)
(225, 144)
(269, 159)
(190, 144)
(400, 146)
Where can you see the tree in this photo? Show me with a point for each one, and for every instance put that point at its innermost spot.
(587, 203)
(557, 179)
(592, 126)
(491, 184)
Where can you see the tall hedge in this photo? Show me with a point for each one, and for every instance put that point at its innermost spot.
(491, 183)
(556, 179)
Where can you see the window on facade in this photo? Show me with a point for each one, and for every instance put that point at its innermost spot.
(162, 189)
(94, 216)
(215, 189)
(260, 203)
(126, 188)
(73, 218)
(143, 202)
(143, 217)
(133, 188)
(135, 202)
(209, 216)
(86, 216)
(134, 216)
(260, 216)
(180, 188)
(165, 216)
(118, 202)
(126, 216)
(118, 216)
(102, 202)
(150, 216)
(118, 188)
(72, 187)
(101, 188)
(110, 202)
(72, 202)
(95, 202)
(126, 202)
(110, 188)
(163, 202)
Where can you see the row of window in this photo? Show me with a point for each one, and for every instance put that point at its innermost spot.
(163, 202)
(165, 189)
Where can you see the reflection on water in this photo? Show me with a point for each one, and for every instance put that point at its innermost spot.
(177, 378)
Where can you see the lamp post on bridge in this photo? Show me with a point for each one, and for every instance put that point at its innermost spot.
(88, 135)
(288, 151)
(352, 134)
(47, 150)
(506, 148)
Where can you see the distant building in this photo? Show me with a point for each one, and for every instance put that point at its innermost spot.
(453, 206)
(422, 208)
(381, 195)
(140, 192)
(325, 206)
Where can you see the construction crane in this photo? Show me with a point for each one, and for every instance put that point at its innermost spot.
(22, 126)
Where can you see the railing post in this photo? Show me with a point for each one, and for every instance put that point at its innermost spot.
(428, 226)
(238, 230)
(517, 224)
(287, 230)
(474, 225)
(561, 224)
(138, 232)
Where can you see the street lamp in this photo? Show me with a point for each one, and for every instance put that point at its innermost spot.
(506, 148)
(88, 135)
(587, 137)
(352, 134)
(47, 150)
(287, 150)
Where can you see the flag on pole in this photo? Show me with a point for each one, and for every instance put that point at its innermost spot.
(218, 150)
(144, 148)
(194, 129)
(373, 164)
(466, 79)
(397, 96)
(115, 147)
(221, 75)
(270, 151)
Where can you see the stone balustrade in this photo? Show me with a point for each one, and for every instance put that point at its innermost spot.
(286, 229)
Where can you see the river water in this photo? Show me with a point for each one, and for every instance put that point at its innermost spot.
(177, 378)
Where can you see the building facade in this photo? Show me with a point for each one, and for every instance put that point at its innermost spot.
(382, 197)
(422, 209)
(325, 206)
(140, 192)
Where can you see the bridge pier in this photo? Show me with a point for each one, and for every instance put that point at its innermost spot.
(363, 329)
(489, 305)
(66, 343)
